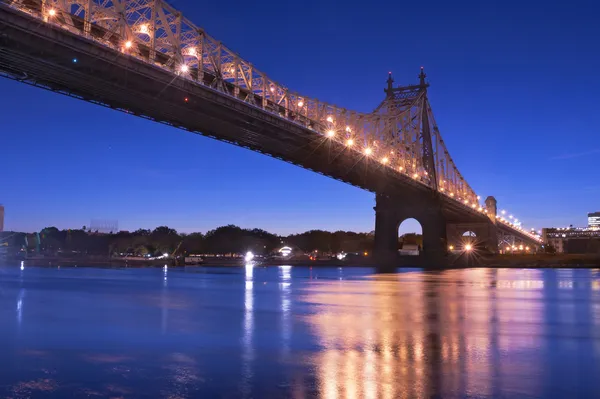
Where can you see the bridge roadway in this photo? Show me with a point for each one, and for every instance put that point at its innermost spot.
(50, 57)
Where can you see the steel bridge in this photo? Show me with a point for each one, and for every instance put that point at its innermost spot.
(144, 58)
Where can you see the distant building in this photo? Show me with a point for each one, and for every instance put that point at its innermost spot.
(594, 220)
(573, 240)
(1, 218)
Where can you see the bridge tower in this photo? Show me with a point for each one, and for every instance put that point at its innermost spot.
(492, 207)
(445, 229)
(392, 208)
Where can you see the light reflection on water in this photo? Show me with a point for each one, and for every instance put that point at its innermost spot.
(298, 332)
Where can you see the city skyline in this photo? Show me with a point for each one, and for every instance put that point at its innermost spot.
(76, 161)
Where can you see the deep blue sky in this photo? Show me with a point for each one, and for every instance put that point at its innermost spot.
(514, 88)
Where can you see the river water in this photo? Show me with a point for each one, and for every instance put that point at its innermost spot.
(297, 332)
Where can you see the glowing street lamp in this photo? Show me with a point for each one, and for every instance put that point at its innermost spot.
(468, 247)
(52, 12)
(184, 68)
(368, 151)
(329, 119)
(330, 133)
(350, 142)
(128, 44)
(384, 160)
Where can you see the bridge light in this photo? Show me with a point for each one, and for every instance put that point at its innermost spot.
(466, 201)
(128, 44)
(415, 175)
(272, 89)
(520, 247)
(184, 68)
(329, 119)
(478, 197)
(384, 160)
(451, 247)
(441, 188)
(400, 168)
(468, 247)
(330, 133)
(503, 212)
(452, 194)
(473, 205)
(348, 129)
(300, 103)
(349, 142)
(510, 216)
(508, 248)
(527, 248)
(480, 209)
(192, 52)
(52, 12)
(368, 151)
(144, 29)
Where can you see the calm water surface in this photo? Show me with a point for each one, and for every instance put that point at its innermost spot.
(297, 332)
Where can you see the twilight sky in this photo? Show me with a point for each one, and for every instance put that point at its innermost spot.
(514, 88)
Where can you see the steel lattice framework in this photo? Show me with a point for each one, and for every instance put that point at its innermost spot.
(400, 134)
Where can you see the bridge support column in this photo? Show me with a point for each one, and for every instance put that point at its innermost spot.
(391, 211)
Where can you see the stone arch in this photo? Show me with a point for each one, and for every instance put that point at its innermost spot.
(469, 240)
(473, 236)
(410, 236)
(390, 211)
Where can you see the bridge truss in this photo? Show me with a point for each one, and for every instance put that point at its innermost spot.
(400, 133)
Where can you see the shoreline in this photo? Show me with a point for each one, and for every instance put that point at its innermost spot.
(509, 262)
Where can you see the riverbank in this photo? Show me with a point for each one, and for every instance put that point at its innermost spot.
(531, 261)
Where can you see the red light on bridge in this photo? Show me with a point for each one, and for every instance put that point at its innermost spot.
(186, 99)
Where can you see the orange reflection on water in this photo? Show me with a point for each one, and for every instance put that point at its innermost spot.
(417, 335)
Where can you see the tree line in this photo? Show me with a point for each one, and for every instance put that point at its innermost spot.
(223, 240)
